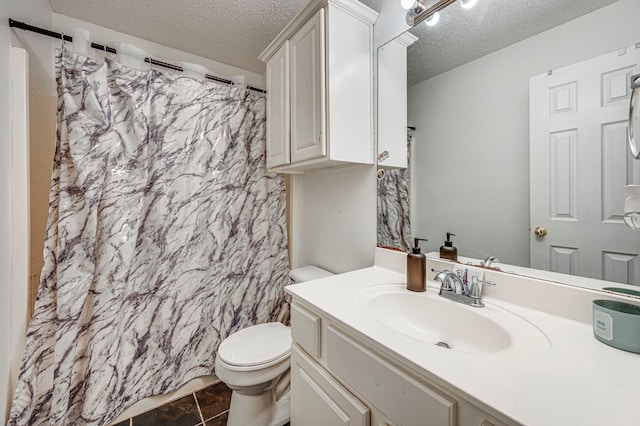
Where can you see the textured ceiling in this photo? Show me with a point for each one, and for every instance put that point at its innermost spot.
(234, 32)
(464, 35)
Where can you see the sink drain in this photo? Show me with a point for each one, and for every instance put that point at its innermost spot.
(443, 345)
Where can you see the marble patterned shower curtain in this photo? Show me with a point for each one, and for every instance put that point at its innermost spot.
(165, 234)
(394, 224)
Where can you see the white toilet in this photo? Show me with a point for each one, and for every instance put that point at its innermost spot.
(254, 363)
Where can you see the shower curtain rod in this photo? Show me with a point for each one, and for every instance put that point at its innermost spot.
(23, 26)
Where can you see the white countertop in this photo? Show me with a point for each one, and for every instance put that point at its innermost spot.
(577, 381)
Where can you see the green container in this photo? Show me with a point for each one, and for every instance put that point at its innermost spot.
(617, 324)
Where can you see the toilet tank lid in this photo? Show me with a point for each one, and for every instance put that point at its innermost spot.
(256, 345)
(308, 273)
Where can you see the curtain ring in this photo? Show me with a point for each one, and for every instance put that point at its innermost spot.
(63, 40)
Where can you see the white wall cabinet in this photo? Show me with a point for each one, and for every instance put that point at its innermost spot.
(320, 88)
(392, 102)
(349, 382)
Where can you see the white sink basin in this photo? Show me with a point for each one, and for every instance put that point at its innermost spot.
(432, 319)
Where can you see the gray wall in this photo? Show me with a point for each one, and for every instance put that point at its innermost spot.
(471, 173)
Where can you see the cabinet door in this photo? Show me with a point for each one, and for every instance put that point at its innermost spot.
(392, 102)
(278, 113)
(308, 135)
(318, 400)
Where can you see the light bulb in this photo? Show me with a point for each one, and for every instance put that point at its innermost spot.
(408, 4)
(468, 4)
(632, 220)
(632, 206)
(433, 19)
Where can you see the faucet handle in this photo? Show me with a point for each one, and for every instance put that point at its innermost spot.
(475, 280)
(475, 292)
(474, 289)
(462, 274)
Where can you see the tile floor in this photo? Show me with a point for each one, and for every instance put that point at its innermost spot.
(206, 407)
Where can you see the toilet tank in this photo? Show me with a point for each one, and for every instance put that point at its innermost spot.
(308, 273)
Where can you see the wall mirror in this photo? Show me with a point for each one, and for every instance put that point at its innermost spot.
(521, 113)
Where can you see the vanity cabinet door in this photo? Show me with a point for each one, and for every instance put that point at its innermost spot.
(318, 400)
(308, 136)
(278, 113)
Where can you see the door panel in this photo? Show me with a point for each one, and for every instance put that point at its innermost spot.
(579, 165)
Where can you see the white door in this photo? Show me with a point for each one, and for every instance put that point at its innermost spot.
(308, 90)
(579, 165)
(278, 114)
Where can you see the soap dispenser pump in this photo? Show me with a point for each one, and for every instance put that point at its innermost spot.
(417, 268)
(448, 250)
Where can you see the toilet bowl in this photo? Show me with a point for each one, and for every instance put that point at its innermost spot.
(254, 362)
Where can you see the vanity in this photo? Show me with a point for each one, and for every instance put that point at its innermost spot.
(366, 351)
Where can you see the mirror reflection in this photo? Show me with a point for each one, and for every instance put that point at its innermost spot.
(520, 114)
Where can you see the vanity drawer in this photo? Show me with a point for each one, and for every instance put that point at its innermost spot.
(318, 399)
(306, 329)
(400, 397)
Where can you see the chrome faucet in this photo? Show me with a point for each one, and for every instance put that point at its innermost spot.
(486, 263)
(454, 288)
(451, 282)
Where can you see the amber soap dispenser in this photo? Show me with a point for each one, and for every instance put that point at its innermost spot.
(416, 268)
(448, 250)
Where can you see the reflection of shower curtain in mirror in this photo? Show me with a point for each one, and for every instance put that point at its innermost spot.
(394, 225)
(164, 236)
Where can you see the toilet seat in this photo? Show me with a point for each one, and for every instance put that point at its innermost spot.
(255, 347)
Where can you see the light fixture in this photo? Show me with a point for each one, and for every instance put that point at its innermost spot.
(419, 12)
(468, 4)
(433, 19)
(632, 206)
(413, 7)
(408, 4)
